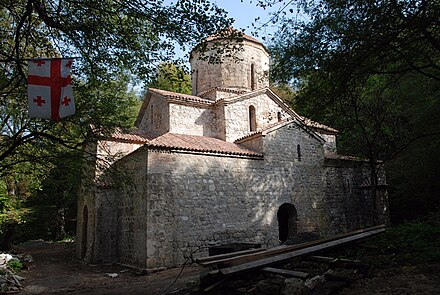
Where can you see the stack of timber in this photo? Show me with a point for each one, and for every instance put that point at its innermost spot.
(222, 266)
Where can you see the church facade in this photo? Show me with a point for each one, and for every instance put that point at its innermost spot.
(231, 163)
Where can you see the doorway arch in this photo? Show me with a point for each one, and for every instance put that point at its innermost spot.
(287, 221)
(85, 219)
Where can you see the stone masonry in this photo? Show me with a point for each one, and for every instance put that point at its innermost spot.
(231, 163)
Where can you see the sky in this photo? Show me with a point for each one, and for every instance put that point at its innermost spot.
(245, 12)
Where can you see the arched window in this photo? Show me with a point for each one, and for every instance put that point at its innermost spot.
(252, 77)
(151, 114)
(280, 117)
(196, 82)
(252, 119)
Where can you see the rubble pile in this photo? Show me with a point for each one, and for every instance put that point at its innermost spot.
(309, 275)
(9, 266)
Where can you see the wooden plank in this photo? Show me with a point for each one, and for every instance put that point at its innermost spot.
(206, 261)
(214, 285)
(295, 253)
(331, 259)
(285, 249)
(286, 272)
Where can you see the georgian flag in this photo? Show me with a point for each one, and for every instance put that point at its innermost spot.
(50, 94)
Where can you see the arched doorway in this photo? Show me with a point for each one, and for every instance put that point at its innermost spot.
(287, 219)
(84, 232)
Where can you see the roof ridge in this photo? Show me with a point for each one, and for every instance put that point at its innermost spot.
(224, 89)
(180, 96)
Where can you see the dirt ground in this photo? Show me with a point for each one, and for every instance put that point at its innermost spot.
(55, 271)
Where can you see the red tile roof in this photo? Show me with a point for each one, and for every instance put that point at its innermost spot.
(232, 32)
(180, 96)
(223, 89)
(201, 144)
(184, 142)
(335, 156)
(133, 136)
(313, 124)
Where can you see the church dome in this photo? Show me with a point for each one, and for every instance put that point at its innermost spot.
(229, 60)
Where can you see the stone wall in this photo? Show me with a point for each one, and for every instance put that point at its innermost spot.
(109, 151)
(266, 113)
(105, 244)
(194, 120)
(233, 70)
(330, 142)
(195, 201)
(133, 210)
(179, 204)
(156, 119)
(350, 205)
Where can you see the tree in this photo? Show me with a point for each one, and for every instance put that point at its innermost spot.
(351, 61)
(114, 44)
(109, 38)
(172, 78)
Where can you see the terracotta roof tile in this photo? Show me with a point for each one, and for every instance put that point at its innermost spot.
(335, 156)
(184, 142)
(201, 144)
(313, 124)
(223, 89)
(180, 96)
(260, 131)
(134, 136)
(231, 32)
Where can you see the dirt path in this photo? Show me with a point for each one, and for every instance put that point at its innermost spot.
(55, 271)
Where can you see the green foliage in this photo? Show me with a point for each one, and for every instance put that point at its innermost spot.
(355, 67)
(408, 243)
(172, 78)
(285, 92)
(15, 265)
(115, 44)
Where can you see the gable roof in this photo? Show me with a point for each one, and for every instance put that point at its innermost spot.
(170, 96)
(222, 89)
(196, 100)
(276, 126)
(200, 144)
(183, 142)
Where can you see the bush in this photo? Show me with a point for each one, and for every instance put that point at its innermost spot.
(15, 265)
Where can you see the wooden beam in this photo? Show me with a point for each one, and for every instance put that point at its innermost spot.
(284, 249)
(331, 259)
(206, 261)
(295, 253)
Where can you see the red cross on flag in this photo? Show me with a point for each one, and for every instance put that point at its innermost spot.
(50, 94)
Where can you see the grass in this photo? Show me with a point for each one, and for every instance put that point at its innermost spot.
(408, 243)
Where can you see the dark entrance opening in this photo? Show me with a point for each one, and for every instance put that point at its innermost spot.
(84, 232)
(287, 218)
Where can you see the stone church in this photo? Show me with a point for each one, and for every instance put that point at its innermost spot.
(230, 164)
